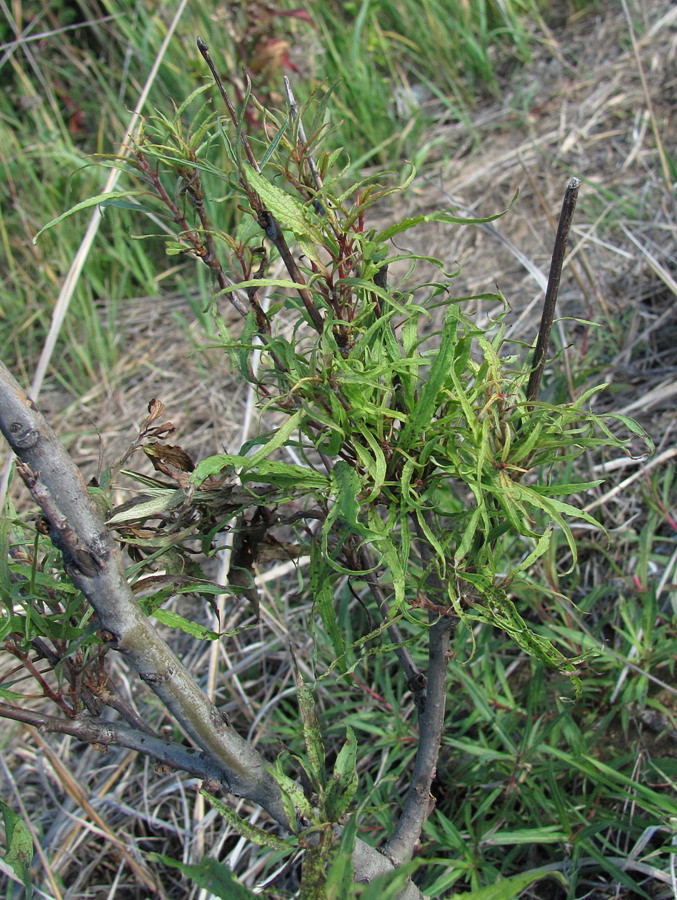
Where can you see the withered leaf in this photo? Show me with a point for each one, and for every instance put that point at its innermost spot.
(247, 540)
(168, 459)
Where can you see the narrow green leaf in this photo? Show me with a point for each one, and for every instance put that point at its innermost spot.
(468, 536)
(323, 600)
(246, 829)
(311, 732)
(635, 428)
(19, 843)
(429, 400)
(509, 888)
(86, 204)
(442, 216)
(273, 145)
(347, 485)
(347, 755)
(393, 558)
(174, 620)
(542, 545)
(374, 463)
(189, 99)
(344, 780)
(294, 792)
(210, 875)
(263, 282)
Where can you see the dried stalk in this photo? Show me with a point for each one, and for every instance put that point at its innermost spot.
(547, 318)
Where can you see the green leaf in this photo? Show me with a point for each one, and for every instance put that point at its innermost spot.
(174, 620)
(501, 612)
(509, 888)
(374, 462)
(441, 216)
(280, 437)
(635, 428)
(294, 800)
(311, 732)
(347, 486)
(19, 846)
(542, 545)
(85, 204)
(343, 782)
(246, 829)
(323, 599)
(273, 145)
(429, 400)
(263, 282)
(215, 464)
(284, 474)
(288, 211)
(210, 875)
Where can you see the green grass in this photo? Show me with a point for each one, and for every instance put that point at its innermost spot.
(68, 95)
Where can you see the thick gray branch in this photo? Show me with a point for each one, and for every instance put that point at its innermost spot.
(95, 566)
(418, 802)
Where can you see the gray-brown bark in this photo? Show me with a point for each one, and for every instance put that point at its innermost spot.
(95, 566)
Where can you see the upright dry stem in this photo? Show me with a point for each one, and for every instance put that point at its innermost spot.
(547, 318)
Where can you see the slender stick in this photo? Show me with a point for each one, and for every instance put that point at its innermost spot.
(204, 50)
(541, 351)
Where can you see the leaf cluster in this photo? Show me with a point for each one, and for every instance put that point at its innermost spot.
(414, 444)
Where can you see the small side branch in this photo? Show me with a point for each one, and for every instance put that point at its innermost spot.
(416, 680)
(105, 734)
(543, 340)
(266, 220)
(419, 801)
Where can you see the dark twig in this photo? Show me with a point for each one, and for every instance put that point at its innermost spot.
(416, 681)
(419, 801)
(541, 350)
(265, 218)
(204, 50)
